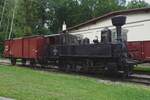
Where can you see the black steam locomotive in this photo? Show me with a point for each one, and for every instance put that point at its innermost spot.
(73, 54)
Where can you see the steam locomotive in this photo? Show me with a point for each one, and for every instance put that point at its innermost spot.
(71, 53)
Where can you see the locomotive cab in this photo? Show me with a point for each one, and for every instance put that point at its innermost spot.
(106, 36)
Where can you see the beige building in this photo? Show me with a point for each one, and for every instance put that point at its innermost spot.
(137, 25)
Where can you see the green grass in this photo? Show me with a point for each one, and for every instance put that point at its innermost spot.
(143, 69)
(27, 84)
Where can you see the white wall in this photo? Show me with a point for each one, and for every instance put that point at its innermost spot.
(138, 26)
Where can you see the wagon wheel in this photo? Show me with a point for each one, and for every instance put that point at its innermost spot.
(125, 75)
(110, 70)
(70, 67)
(43, 62)
(62, 65)
(23, 62)
(32, 63)
(13, 61)
(74, 67)
(127, 71)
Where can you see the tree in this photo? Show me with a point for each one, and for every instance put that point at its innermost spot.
(34, 17)
(78, 11)
(47, 16)
(6, 16)
(137, 4)
(103, 7)
(6, 19)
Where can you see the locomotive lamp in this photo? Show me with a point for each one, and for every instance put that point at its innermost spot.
(119, 21)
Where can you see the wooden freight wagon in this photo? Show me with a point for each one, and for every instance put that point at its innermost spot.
(140, 50)
(30, 48)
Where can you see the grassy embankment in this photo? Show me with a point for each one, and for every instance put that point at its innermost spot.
(142, 69)
(27, 84)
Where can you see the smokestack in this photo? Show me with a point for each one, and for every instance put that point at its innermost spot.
(119, 21)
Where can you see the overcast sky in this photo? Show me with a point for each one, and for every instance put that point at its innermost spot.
(145, 0)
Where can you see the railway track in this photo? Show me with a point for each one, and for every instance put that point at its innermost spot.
(143, 79)
(139, 78)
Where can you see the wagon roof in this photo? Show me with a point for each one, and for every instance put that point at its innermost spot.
(35, 36)
(109, 15)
